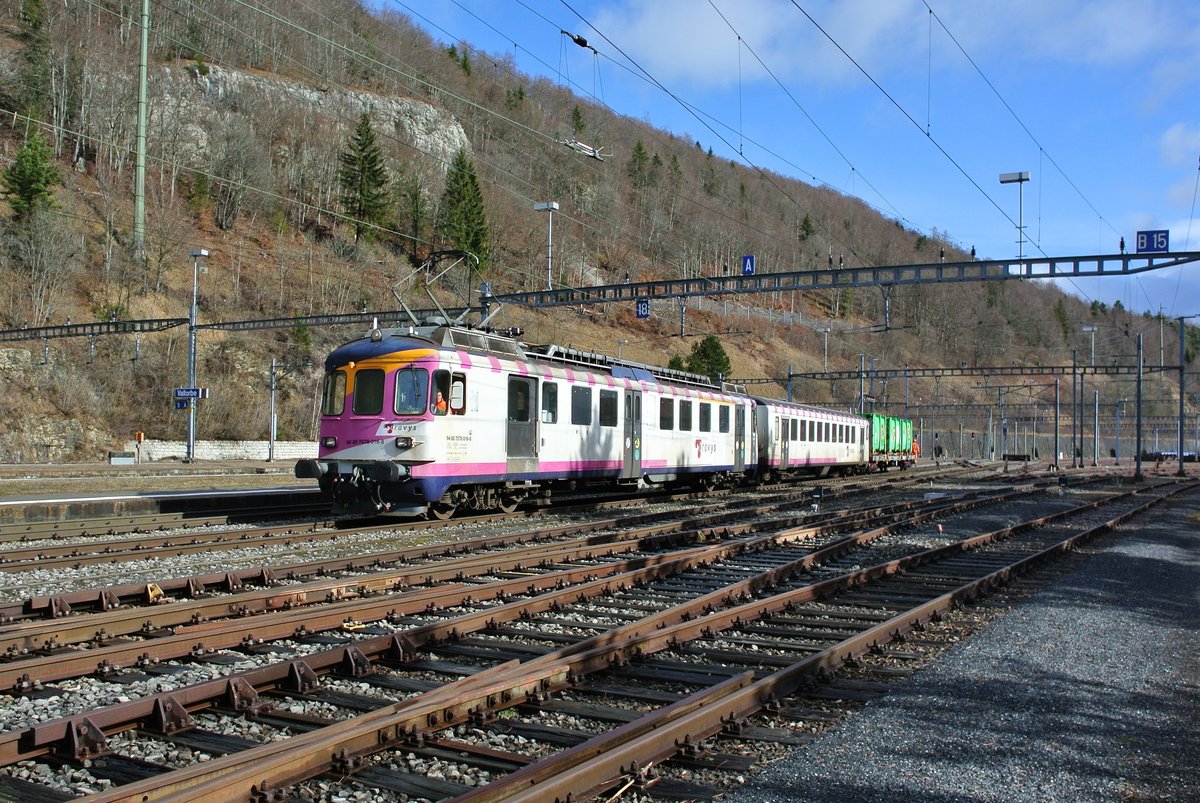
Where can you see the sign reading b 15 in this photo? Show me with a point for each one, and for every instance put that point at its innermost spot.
(1154, 242)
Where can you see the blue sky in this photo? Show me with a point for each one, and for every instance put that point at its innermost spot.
(1098, 99)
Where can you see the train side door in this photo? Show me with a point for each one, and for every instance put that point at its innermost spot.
(739, 437)
(784, 429)
(521, 425)
(631, 461)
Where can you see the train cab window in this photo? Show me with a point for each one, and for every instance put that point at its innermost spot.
(723, 419)
(368, 391)
(666, 414)
(550, 403)
(581, 406)
(608, 408)
(439, 403)
(685, 415)
(412, 388)
(705, 417)
(333, 394)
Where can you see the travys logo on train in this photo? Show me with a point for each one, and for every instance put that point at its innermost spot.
(393, 427)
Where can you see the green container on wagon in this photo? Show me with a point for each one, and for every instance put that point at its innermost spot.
(904, 436)
(879, 433)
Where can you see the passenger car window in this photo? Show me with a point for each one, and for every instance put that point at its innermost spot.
(550, 403)
(581, 406)
(685, 415)
(608, 408)
(666, 414)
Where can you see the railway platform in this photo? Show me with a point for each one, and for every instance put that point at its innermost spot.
(38, 492)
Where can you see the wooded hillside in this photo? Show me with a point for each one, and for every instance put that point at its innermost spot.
(257, 152)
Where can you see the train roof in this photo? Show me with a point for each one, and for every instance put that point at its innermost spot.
(504, 342)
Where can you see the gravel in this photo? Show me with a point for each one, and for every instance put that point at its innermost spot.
(1015, 714)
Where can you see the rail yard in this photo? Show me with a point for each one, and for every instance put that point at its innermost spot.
(671, 647)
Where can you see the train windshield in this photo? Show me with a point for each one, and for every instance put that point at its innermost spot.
(412, 391)
(333, 395)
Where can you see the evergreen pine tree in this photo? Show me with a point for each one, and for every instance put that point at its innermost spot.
(28, 180)
(413, 210)
(708, 357)
(461, 218)
(364, 180)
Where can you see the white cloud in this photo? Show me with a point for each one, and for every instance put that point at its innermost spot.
(1179, 145)
(687, 44)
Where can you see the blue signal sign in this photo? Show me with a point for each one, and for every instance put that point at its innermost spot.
(748, 265)
(643, 308)
(181, 404)
(1154, 242)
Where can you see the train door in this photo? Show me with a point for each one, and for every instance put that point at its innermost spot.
(784, 430)
(631, 462)
(522, 425)
(739, 437)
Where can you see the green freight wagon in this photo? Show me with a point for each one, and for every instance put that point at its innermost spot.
(891, 440)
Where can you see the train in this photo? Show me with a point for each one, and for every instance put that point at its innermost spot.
(432, 419)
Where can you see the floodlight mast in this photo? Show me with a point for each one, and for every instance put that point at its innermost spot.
(550, 207)
(1019, 178)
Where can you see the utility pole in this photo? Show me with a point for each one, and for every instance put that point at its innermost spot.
(1182, 422)
(1057, 408)
(1137, 471)
(139, 175)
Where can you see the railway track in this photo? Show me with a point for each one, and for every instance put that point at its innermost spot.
(623, 652)
(229, 557)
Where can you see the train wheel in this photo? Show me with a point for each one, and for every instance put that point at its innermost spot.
(441, 511)
(507, 505)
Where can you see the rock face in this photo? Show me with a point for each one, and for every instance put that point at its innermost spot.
(29, 433)
(428, 129)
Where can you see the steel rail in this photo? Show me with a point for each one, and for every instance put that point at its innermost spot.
(57, 606)
(341, 748)
(603, 762)
(240, 687)
(191, 586)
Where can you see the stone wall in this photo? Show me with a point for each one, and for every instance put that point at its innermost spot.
(223, 450)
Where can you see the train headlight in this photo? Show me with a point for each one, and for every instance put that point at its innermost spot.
(404, 442)
(328, 442)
